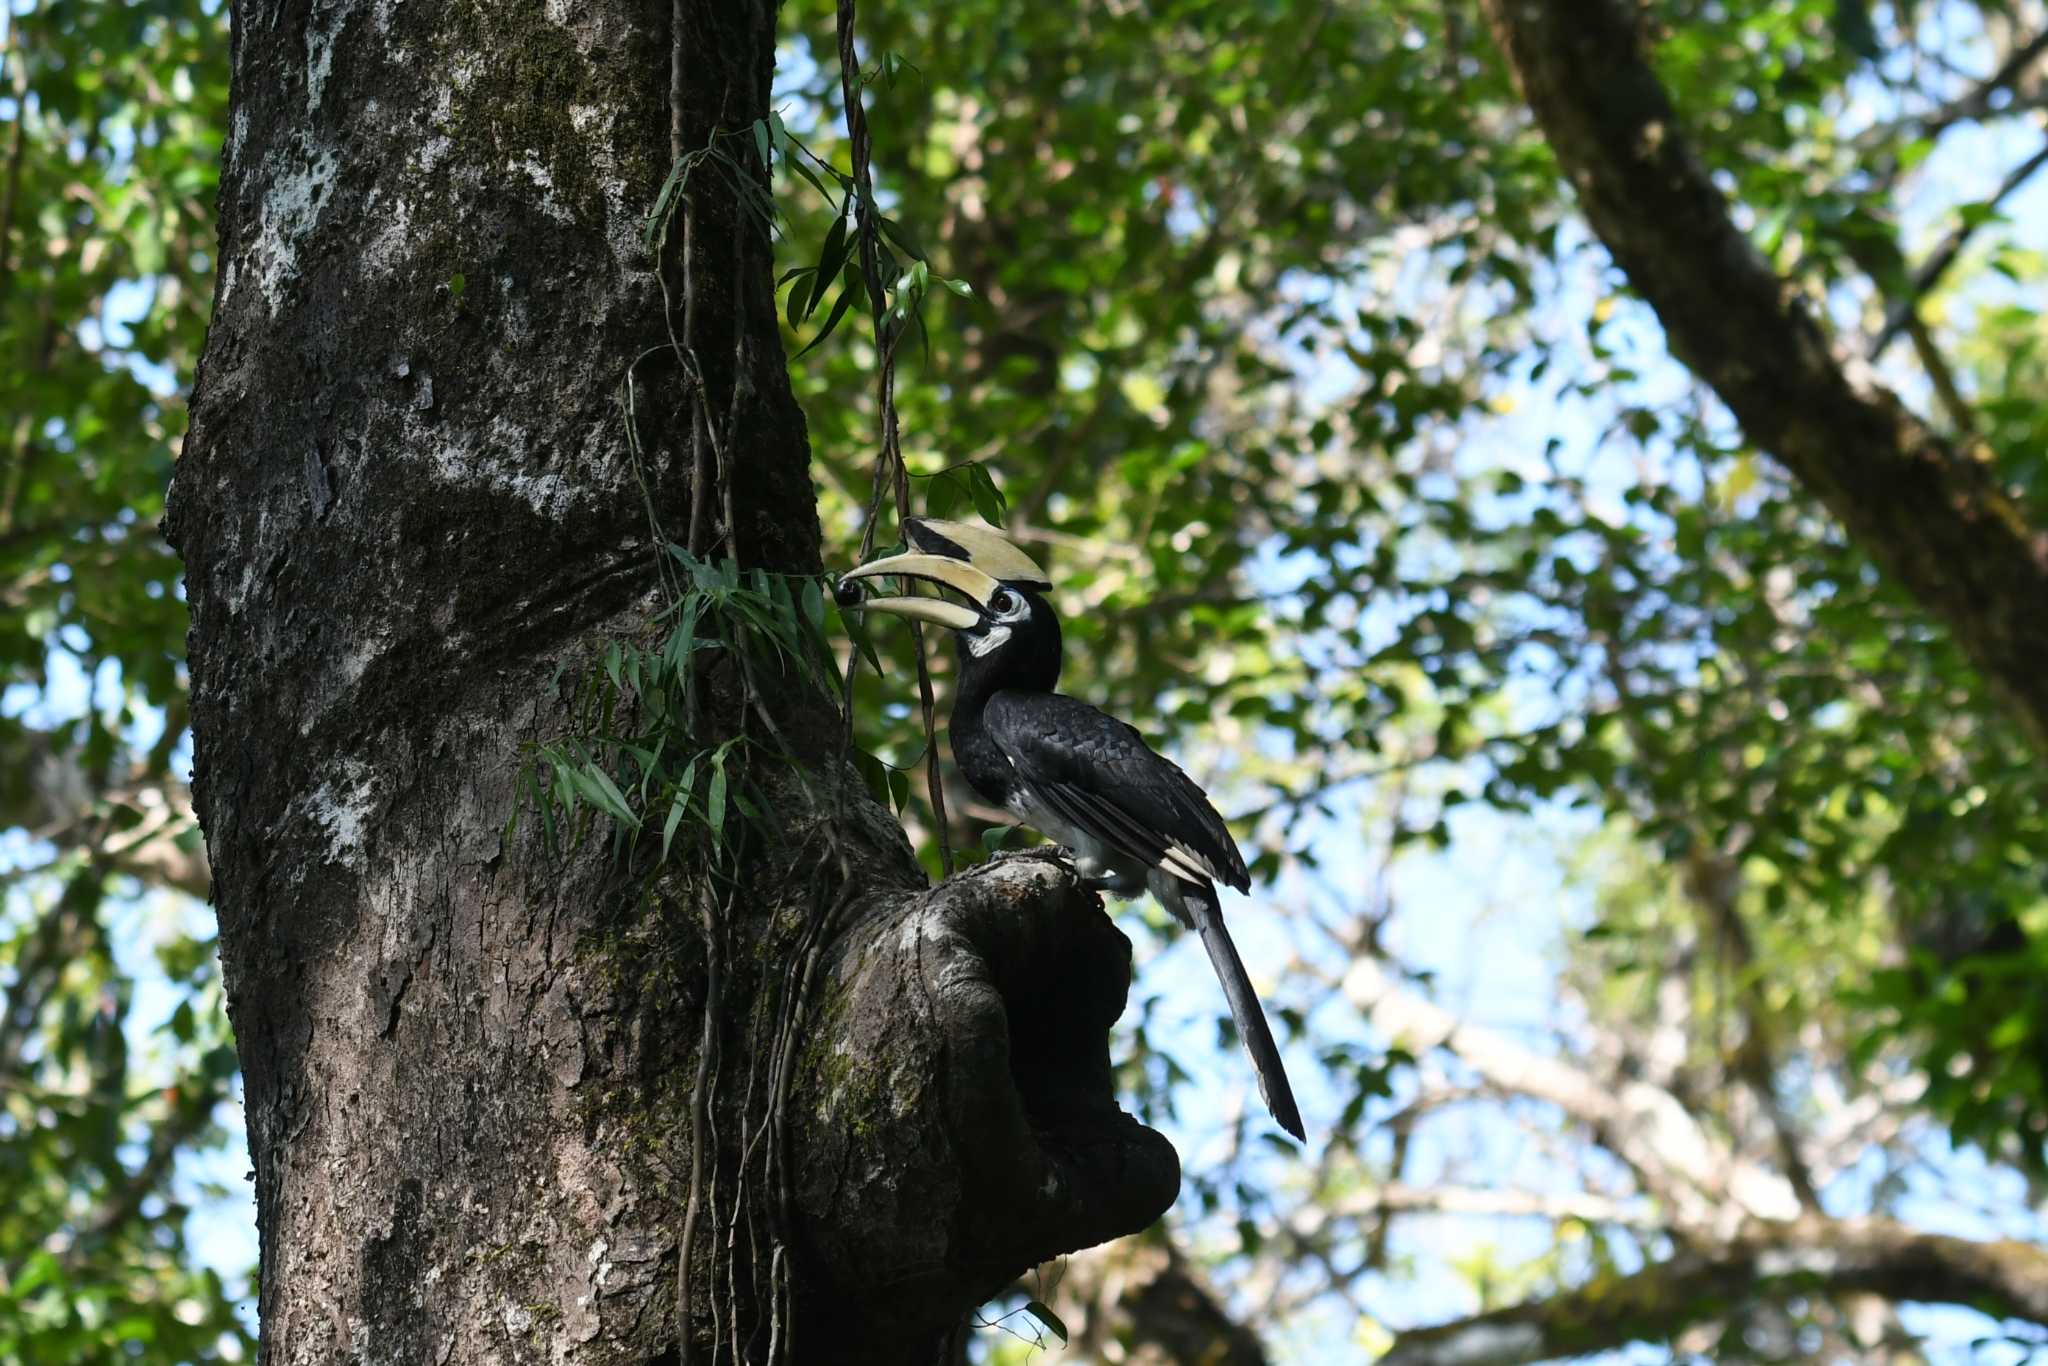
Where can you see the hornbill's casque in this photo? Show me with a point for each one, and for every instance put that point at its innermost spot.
(1130, 818)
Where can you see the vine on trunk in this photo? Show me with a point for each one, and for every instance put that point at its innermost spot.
(674, 731)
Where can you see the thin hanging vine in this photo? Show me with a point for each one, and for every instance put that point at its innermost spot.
(889, 325)
(642, 755)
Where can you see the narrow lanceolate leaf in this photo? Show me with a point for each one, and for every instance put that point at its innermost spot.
(714, 800)
(901, 238)
(658, 218)
(1040, 1310)
(676, 810)
(853, 284)
(799, 294)
(796, 163)
(988, 499)
(605, 794)
(857, 631)
(831, 260)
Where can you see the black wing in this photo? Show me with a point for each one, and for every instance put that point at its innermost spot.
(1099, 774)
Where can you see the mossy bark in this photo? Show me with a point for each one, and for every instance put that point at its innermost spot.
(408, 511)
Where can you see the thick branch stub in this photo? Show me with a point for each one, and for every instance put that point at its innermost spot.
(958, 1105)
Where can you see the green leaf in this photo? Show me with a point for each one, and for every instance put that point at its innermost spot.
(796, 163)
(714, 800)
(597, 787)
(944, 492)
(799, 293)
(901, 238)
(993, 837)
(857, 631)
(988, 499)
(1040, 1310)
(676, 809)
(838, 311)
(657, 217)
(875, 774)
(831, 261)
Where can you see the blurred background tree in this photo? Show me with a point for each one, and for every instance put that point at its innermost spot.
(1650, 887)
(115, 1055)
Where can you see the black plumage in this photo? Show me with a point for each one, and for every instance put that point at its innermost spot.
(1098, 773)
(1129, 817)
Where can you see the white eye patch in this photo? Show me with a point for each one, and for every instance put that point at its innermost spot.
(1009, 606)
(991, 639)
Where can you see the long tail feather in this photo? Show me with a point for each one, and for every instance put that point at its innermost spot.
(1244, 1008)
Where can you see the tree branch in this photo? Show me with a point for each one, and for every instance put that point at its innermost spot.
(1501, 1202)
(191, 1112)
(1933, 516)
(1977, 102)
(1708, 1189)
(2006, 1278)
(1936, 265)
(56, 799)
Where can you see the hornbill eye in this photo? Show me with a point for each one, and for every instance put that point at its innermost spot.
(1004, 603)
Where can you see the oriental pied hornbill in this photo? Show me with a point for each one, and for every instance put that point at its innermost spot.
(1131, 820)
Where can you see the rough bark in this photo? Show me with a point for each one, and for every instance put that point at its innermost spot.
(999, 1086)
(408, 512)
(1824, 1258)
(1930, 512)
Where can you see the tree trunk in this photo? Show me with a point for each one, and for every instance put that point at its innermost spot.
(412, 520)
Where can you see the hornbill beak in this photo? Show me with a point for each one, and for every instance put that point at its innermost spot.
(957, 575)
(981, 546)
(970, 559)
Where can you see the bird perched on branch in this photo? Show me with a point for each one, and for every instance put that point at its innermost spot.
(1131, 820)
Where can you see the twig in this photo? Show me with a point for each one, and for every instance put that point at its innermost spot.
(1931, 270)
(1977, 102)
